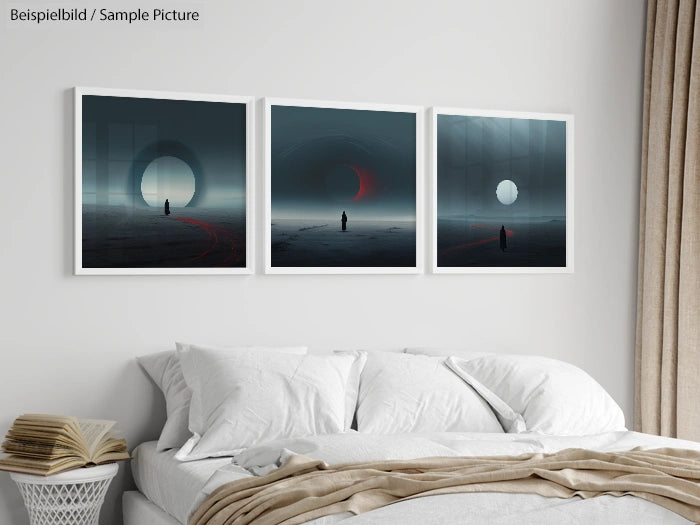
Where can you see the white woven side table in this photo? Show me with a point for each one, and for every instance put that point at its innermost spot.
(73, 497)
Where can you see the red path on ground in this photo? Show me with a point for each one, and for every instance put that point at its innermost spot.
(220, 238)
(476, 243)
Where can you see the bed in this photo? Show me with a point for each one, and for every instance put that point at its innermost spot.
(239, 415)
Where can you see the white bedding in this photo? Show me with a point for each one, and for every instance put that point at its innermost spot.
(355, 446)
(137, 510)
(179, 487)
(514, 509)
(171, 484)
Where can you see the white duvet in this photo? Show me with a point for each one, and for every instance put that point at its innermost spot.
(491, 508)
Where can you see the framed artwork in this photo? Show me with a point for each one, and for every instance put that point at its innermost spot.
(343, 187)
(502, 198)
(163, 183)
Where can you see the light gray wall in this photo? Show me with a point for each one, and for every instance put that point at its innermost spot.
(68, 342)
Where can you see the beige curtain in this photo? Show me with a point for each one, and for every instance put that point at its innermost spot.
(667, 400)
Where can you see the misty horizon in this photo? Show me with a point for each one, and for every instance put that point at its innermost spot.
(125, 139)
(475, 154)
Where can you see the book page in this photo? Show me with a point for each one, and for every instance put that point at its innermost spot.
(42, 467)
(45, 420)
(93, 431)
(108, 447)
(44, 430)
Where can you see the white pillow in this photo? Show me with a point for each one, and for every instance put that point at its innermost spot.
(402, 393)
(445, 352)
(244, 398)
(164, 368)
(551, 396)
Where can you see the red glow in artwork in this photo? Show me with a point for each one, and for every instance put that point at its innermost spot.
(367, 186)
(479, 242)
(221, 241)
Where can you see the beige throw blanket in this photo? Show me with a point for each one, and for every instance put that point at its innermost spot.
(304, 489)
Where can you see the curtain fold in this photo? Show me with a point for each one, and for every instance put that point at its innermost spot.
(667, 354)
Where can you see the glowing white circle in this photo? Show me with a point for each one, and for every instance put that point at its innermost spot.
(167, 178)
(506, 192)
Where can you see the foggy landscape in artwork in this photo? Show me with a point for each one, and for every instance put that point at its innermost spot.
(501, 186)
(343, 188)
(139, 237)
(365, 243)
(163, 183)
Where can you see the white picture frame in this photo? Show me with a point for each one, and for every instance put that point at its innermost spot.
(417, 113)
(223, 243)
(441, 253)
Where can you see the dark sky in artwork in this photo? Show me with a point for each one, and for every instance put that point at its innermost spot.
(476, 153)
(123, 135)
(324, 161)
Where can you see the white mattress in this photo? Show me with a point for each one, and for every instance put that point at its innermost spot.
(178, 488)
(173, 485)
(450, 509)
(496, 508)
(137, 510)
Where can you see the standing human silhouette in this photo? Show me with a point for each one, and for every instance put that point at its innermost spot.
(503, 238)
(344, 220)
(167, 207)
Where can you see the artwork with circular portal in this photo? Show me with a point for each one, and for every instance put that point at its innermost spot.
(503, 182)
(168, 178)
(163, 183)
(506, 192)
(342, 188)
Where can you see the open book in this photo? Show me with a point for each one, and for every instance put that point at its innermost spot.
(46, 444)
